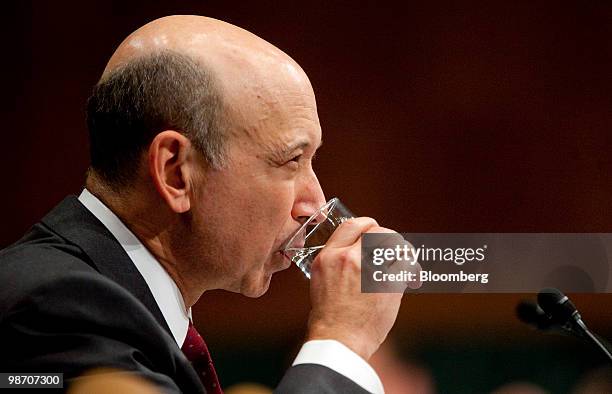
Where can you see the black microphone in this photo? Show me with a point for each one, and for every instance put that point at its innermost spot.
(530, 313)
(556, 312)
(561, 312)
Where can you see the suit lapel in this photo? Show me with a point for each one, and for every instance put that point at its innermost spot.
(72, 221)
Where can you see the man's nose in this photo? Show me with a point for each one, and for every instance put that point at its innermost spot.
(309, 199)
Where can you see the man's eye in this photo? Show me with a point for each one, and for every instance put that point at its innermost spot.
(293, 163)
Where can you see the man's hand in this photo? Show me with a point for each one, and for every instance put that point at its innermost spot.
(340, 311)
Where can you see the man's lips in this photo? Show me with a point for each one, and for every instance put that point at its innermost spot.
(297, 243)
(285, 261)
(295, 239)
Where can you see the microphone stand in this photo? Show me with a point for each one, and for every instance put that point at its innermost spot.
(595, 339)
(555, 312)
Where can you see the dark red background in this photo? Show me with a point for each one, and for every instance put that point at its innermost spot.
(437, 117)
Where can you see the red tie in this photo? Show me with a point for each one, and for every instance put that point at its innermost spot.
(197, 353)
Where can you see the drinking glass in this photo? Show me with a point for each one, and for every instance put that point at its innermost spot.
(310, 238)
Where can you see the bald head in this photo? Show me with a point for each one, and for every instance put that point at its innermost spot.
(214, 42)
(245, 66)
(215, 80)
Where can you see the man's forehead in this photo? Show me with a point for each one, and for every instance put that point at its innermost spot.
(284, 123)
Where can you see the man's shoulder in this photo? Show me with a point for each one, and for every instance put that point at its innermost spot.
(52, 246)
(39, 258)
(43, 272)
(41, 247)
(66, 316)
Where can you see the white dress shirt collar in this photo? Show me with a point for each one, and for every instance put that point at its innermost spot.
(164, 290)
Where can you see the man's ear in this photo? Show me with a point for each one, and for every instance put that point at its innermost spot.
(170, 166)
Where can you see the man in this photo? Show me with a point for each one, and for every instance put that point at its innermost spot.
(202, 137)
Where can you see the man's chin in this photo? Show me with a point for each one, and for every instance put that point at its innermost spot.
(257, 289)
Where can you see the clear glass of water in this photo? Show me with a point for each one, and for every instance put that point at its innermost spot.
(310, 238)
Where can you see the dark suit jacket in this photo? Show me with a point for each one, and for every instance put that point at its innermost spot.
(72, 300)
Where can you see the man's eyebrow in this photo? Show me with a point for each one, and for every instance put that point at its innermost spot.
(297, 145)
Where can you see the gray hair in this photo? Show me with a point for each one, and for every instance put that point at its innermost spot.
(131, 104)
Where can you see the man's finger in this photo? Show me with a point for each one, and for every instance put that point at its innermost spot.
(349, 232)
